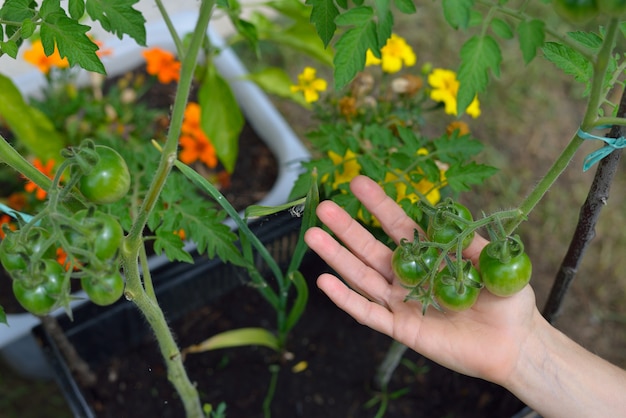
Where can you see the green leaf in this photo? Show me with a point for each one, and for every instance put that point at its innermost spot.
(276, 81)
(501, 28)
(356, 16)
(221, 119)
(590, 40)
(462, 177)
(531, 35)
(454, 149)
(569, 60)
(30, 126)
(302, 39)
(255, 211)
(72, 41)
(3, 316)
(309, 220)
(171, 243)
(302, 298)
(405, 6)
(28, 28)
(76, 9)
(457, 12)
(118, 17)
(10, 48)
(236, 338)
(350, 52)
(323, 16)
(479, 54)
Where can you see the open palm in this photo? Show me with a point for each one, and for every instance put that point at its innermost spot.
(484, 341)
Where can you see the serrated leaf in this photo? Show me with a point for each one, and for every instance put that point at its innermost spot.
(479, 54)
(590, 40)
(531, 35)
(405, 6)
(323, 14)
(170, 243)
(454, 149)
(350, 52)
(355, 17)
(221, 118)
(71, 40)
(457, 12)
(118, 17)
(461, 177)
(569, 60)
(76, 8)
(501, 28)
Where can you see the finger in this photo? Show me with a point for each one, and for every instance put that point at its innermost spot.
(357, 274)
(364, 311)
(473, 251)
(358, 239)
(392, 217)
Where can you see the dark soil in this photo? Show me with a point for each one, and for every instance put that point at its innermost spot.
(341, 357)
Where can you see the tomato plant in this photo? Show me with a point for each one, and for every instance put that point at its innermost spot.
(505, 267)
(412, 263)
(40, 293)
(457, 293)
(16, 254)
(104, 289)
(448, 222)
(576, 11)
(108, 180)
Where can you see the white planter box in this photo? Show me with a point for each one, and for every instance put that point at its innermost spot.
(17, 346)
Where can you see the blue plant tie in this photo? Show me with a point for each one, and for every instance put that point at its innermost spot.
(594, 157)
(14, 213)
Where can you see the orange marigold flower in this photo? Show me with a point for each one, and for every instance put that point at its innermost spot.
(36, 56)
(347, 107)
(17, 200)
(193, 141)
(46, 169)
(162, 64)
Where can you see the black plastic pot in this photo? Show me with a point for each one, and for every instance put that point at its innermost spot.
(99, 333)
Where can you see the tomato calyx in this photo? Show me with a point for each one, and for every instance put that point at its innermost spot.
(505, 249)
(414, 262)
(450, 223)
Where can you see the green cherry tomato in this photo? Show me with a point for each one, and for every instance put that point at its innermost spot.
(16, 256)
(104, 290)
(505, 267)
(412, 265)
(103, 235)
(453, 296)
(444, 230)
(577, 12)
(39, 294)
(613, 8)
(109, 179)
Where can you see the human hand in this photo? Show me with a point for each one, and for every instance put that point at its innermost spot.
(484, 341)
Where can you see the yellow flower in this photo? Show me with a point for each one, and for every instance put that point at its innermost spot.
(394, 54)
(36, 56)
(309, 85)
(423, 187)
(162, 64)
(348, 167)
(445, 88)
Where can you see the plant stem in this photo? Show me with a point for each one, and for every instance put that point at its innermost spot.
(585, 229)
(388, 365)
(176, 372)
(9, 156)
(595, 99)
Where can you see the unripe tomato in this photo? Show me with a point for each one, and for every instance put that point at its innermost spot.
(103, 237)
(105, 289)
(39, 294)
(109, 179)
(454, 296)
(505, 271)
(412, 265)
(444, 230)
(577, 12)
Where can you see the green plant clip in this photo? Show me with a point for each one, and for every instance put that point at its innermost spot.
(593, 157)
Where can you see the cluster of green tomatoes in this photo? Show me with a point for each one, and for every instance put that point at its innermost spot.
(432, 268)
(88, 238)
